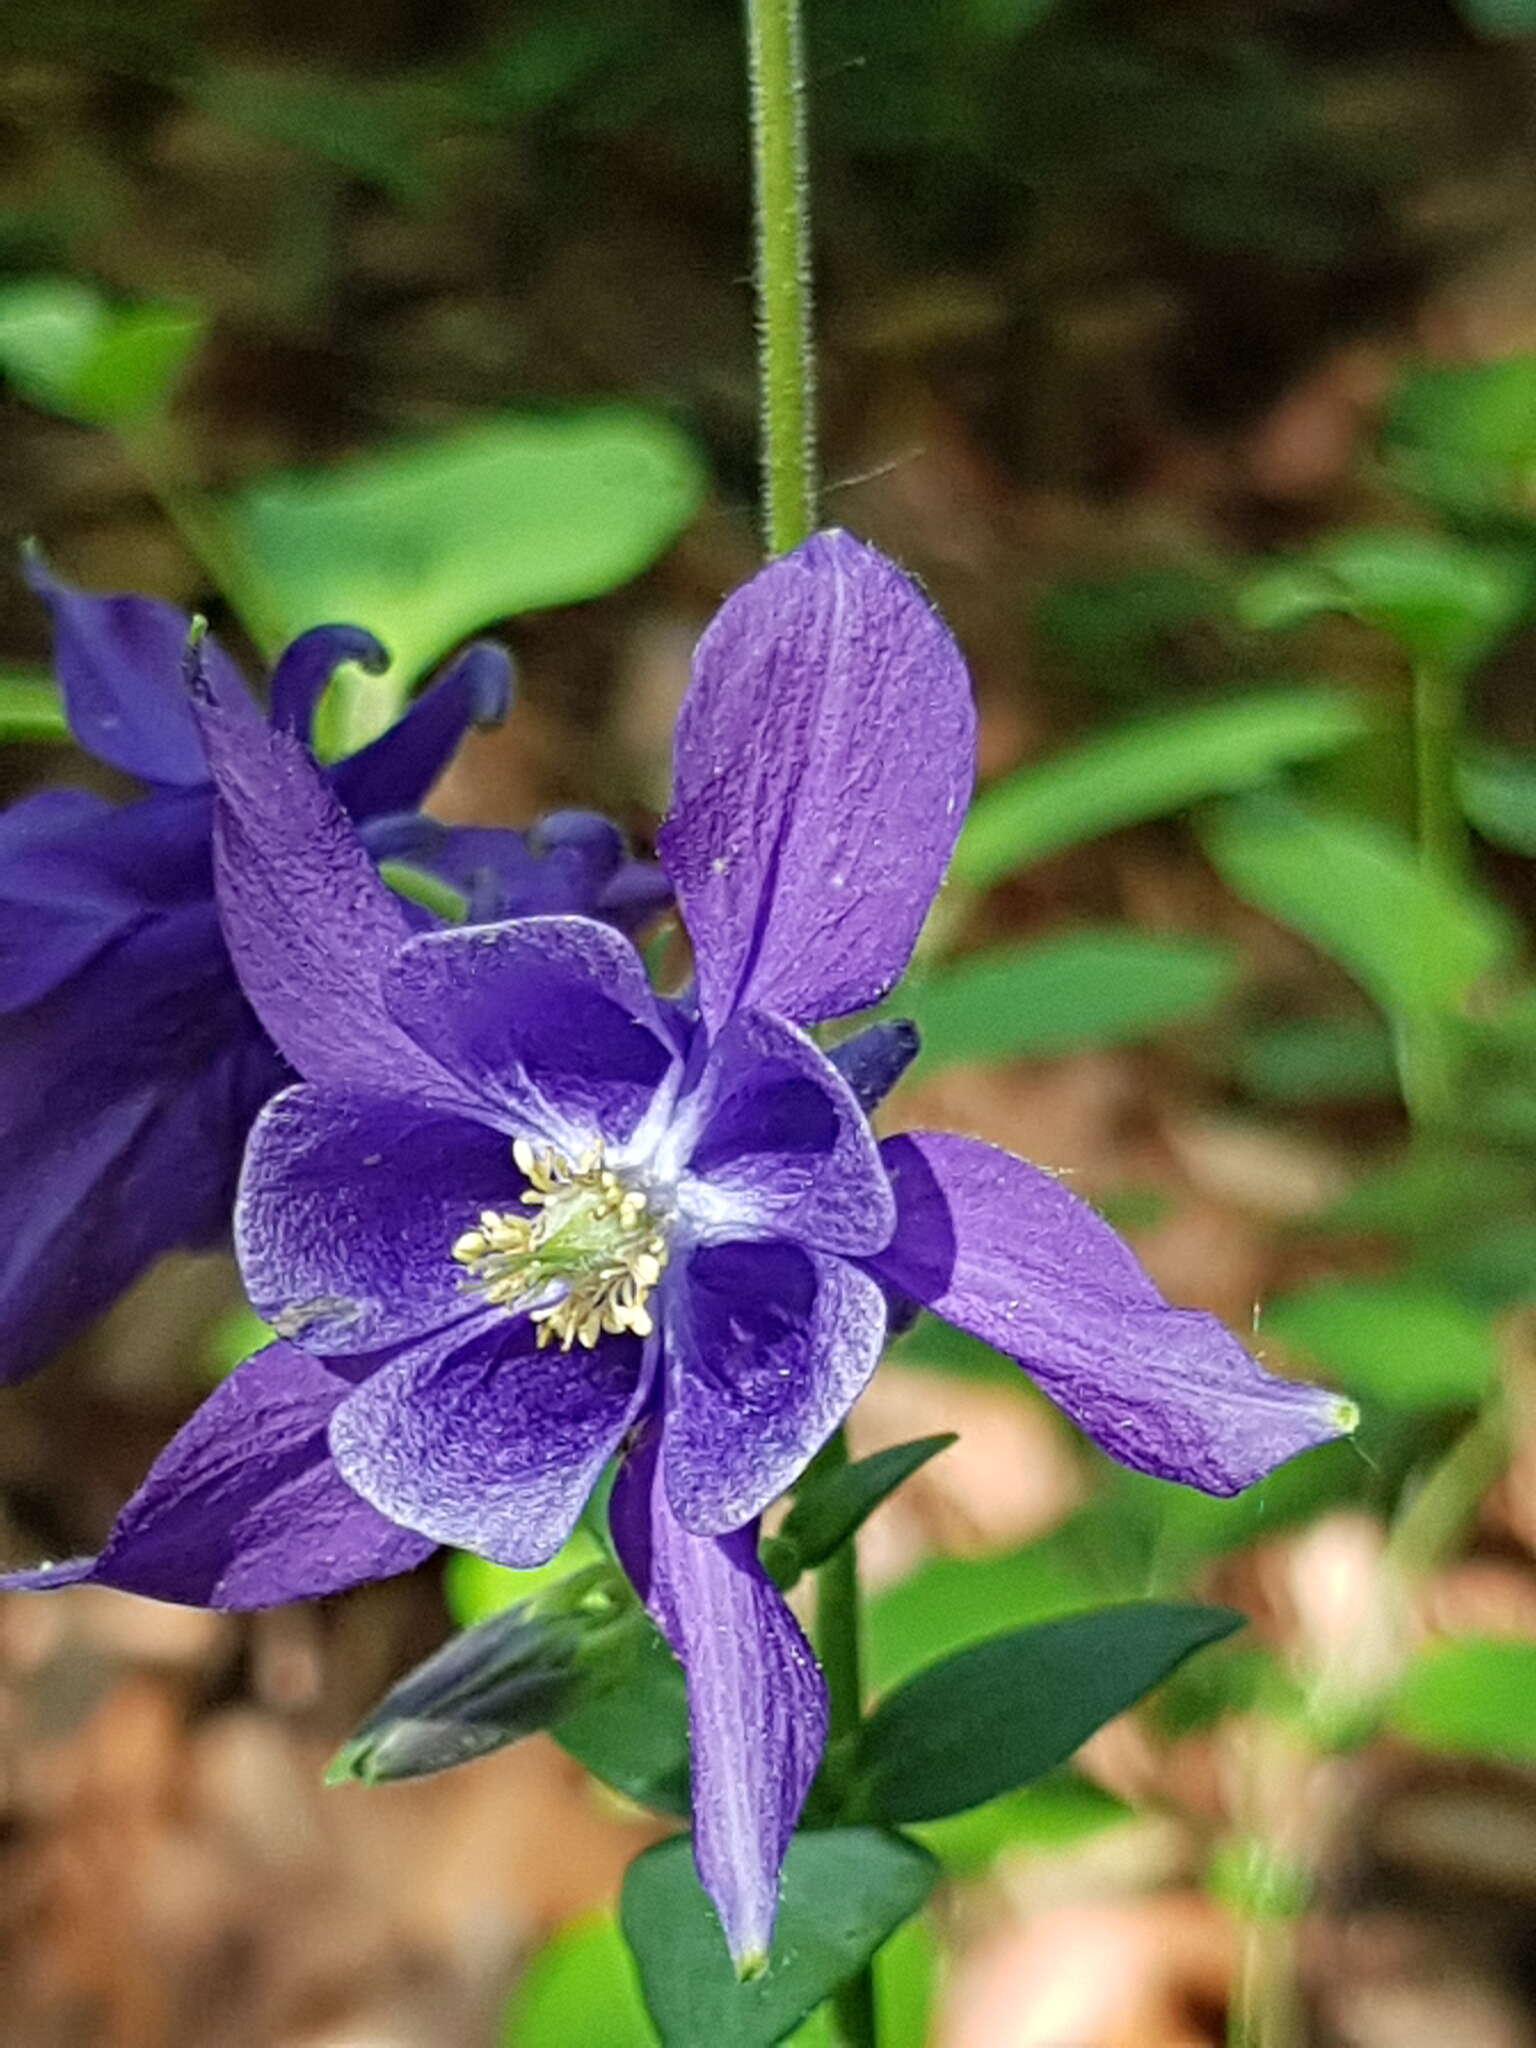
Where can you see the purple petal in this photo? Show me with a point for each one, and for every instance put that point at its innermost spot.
(783, 1146)
(768, 1347)
(493, 1445)
(348, 1212)
(125, 1099)
(824, 761)
(119, 663)
(245, 1508)
(548, 1023)
(306, 665)
(757, 1703)
(395, 772)
(74, 877)
(1002, 1250)
(309, 925)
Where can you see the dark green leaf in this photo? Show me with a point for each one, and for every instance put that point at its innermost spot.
(1415, 941)
(1319, 1059)
(1498, 793)
(1396, 1340)
(1475, 1697)
(634, 1736)
(1147, 770)
(1109, 986)
(1009, 1710)
(845, 1892)
(435, 541)
(933, 1346)
(831, 1506)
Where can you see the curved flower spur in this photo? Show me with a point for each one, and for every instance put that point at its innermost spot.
(525, 1215)
(131, 1066)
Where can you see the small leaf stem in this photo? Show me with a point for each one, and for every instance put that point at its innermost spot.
(781, 216)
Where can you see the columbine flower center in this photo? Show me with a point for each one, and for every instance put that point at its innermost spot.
(593, 1235)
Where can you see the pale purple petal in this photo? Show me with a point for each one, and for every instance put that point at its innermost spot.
(547, 1023)
(1002, 1250)
(782, 1146)
(824, 760)
(757, 1703)
(304, 668)
(309, 925)
(395, 771)
(493, 1445)
(119, 664)
(245, 1507)
(768, 1347)
(348, 1211)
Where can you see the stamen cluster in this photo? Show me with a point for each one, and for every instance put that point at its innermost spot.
(594, 1236)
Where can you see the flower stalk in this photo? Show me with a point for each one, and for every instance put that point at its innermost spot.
(781, 227)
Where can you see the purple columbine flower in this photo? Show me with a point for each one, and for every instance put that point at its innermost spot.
(524, 1216)
(131, 1066)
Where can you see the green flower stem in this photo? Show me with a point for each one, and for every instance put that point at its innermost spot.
(776, 61)
(786, 398)
(839, 1647)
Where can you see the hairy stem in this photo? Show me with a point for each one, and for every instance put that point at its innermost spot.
(786, 389)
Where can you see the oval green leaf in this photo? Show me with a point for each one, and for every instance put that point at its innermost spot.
(427, 544)
(1401, 1341)
(845, 1892)
(1111, 985)
(1147, 769)
(1415, 941)
(1471, 1697)
(1005, 1712)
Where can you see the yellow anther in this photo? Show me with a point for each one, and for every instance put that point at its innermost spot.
(593, 1236)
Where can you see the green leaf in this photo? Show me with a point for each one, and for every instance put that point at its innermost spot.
(635, 1736)
(832, 1506)
(1053, 1813)
(65, 348)
(1396, 1340)
(579, 1988)
(1491, 1269)
(1472, 1697)
(1500, 17)
(431, 542)
(1319, 1059)
(1413, 940)
(1498, 794)
(30, 706)
(951, 1602)
(845, 1892)
(1107, 986)
(1147, 770)
(1465, 434)
(1423, 1192)
(1006, 1711)
(233, 1339)
(1442, 599)
(475, 1589)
